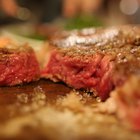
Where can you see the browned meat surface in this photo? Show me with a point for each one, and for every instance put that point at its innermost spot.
(18, 64)
(87, 59)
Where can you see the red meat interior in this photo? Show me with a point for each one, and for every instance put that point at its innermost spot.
(16, 68)
(81, 72)
(127, 98)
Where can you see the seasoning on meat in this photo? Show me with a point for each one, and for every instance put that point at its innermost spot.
(18, 64)
(87, 60)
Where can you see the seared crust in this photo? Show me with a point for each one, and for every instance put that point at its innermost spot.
(117, 47)
(99, 37)
(18, 63)
(121, 43)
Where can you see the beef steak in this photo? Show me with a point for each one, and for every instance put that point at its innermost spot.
(87, 59)
(18, 64)
(126, 98)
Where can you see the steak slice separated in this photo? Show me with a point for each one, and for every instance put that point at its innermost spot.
(18, 63)
(126, 99)
(87, 59)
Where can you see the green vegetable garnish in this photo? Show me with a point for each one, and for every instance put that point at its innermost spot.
(82, 22)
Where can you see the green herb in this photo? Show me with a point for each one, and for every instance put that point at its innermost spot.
(82, 22)
(36, 36)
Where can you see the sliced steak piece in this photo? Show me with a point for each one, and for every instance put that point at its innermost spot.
(18, 64)
(87, 60)
(126, 98)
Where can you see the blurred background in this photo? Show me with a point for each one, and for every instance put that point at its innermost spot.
(48, 16)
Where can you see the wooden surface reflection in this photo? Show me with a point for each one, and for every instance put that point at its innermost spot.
(13, 99)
